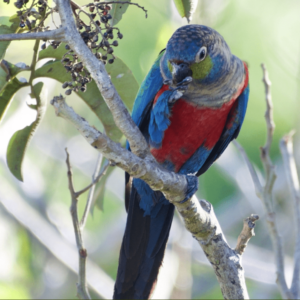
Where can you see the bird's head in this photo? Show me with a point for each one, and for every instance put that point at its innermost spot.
(197, 51)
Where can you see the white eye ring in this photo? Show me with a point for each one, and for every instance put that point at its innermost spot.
(201, 54)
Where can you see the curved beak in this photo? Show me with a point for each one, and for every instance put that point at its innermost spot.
(180, 71)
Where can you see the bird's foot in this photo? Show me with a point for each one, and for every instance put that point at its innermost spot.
(179, 89)
(192, 187)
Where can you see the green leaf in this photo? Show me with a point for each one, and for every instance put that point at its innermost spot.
(9, 85)
(8, 25)
(6, 95)
(9, 71)
(20, 140)
(186, 8)
(117, 11)
(122, 79)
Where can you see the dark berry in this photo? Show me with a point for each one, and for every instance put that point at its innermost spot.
(98, 55)
(106, 43)
(115, 43)
(83, 88)
(110, 50)
(104, 57)
(110, 36)
(18, 5)
(120, 35)
(43, 46)
(110, 61)
(95, 39)
(107, 7)
(67, 47)
(98, 23)
(91, 8)
(103, 19)
(68, 92)
(108, 17)
(109, 30)
(65, 85)
(78, 67)
(68, 68)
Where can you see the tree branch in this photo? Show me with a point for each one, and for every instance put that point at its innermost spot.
(82, 290)
(172, 184)
(57, 34)
(286, 147)
(246, 234)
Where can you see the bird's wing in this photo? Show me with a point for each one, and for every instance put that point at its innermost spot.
(142, 108)
(149, 88)
(230, 131)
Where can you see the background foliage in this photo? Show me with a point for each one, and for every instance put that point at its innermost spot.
(256, 31)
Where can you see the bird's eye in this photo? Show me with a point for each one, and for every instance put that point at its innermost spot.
(201, 54)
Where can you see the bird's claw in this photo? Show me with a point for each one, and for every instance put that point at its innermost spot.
(179, 90)
(192, 187)
(186, 81)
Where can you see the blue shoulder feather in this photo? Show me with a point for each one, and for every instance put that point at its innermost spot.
(149, 88)
(146, 94)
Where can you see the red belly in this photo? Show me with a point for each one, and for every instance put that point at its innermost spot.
(190, 128)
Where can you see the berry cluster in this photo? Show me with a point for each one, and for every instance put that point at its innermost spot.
(99, 17)
(80, 76)
(98, 35)
(30, 16)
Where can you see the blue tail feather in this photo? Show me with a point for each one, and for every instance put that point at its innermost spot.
(144, 242)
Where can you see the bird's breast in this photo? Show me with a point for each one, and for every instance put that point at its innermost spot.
(190, 128)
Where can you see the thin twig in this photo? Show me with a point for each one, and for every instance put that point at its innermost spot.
(57, 35)
(255, 179)
(130, 3)
(94, 182)
(269, 111)
(286, 147)
(117, 2)
(96, 177)
(267, 191)
(246, 234)
(82, 290)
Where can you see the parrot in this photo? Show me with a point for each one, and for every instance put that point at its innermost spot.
(190, 106)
